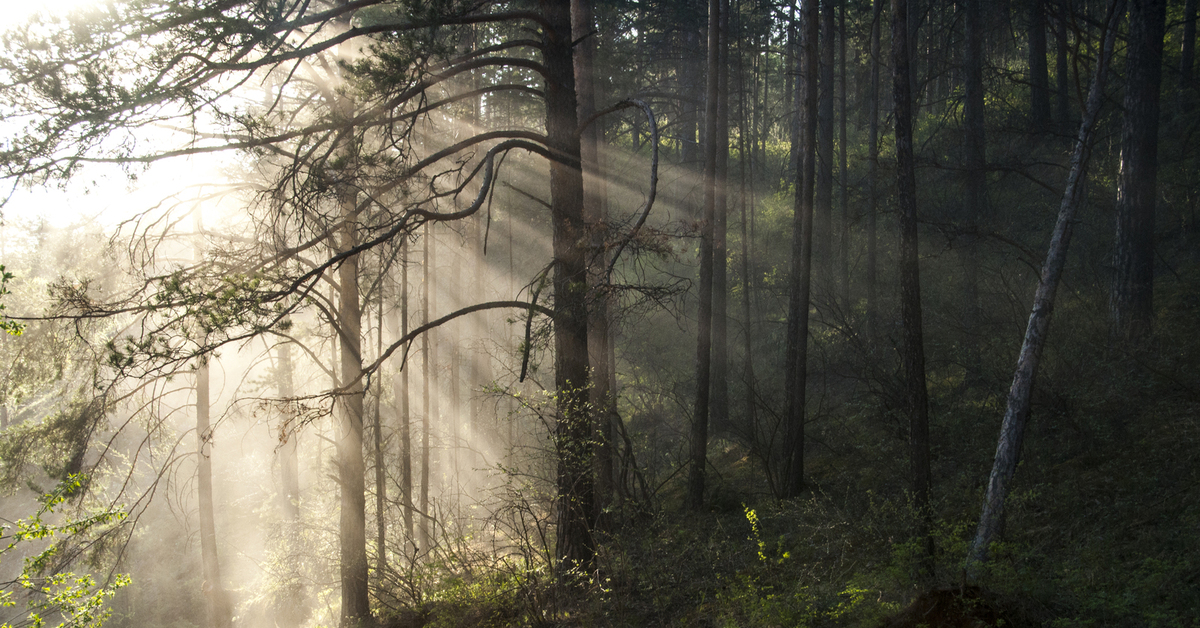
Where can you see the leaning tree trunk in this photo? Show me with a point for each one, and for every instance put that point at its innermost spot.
(1131, 301)
(804, 143)
(913, 349)
(1008, 448)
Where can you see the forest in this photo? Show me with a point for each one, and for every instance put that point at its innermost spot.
(475, 313)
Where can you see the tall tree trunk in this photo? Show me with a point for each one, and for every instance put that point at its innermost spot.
(377, 433)
(843, 169)
(912, 348)
(1008, 447)
(1061, 67)
(746, 143)
(220, 613)
(352, 533)
(575, 546)
(290, 602)
(400, 387)
(823, 220)
(1187, 49)
(804, 142)
(700, 418)
(975, 180)
(591, 140)
(873, 175)
(429, 390)
(720, 298)
(1039, 76)
(1131, 301)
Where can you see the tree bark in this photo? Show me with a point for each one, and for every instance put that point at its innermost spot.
(872, 323)
(1008, 447)
(912, 348)
(804, 144)
(1062, 67)
(823, 220)
(975, 180)
(1187, 50)
(429, 392)
(843, 167)
(220, 612)
(352, 534)
(1131, 300)
(400, 387)
(1039, 77)
(575, 546)
(700, 418)
(720, 299)
(591, 140)
(377, 434)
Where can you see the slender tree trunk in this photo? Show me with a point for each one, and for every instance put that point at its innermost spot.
(912, 349)
(429, 391)
(400, 386)
(1131, 301)
(1187, 50)
(700, 418)
(1039, 77)
(720, 298)
(804, 143)
(823, 220)
(352, 534)
(843, 169)
(575, 546)
(1008, 447)
(591, 141)
(220, 613)
(377, 433)
(975, 175)
(291, 597)
(873, 176)
(746, 144)
(1061, 67)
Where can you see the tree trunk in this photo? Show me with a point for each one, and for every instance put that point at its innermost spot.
(823, 220)
(1039, 77)
(352, 534)
(1008, 447)
(601, 394)
(804, 144)
(1131, 301)
(575, 547)
(720, 299)
(220, 613)
(429, 391)
(912, 348)
(377, 433)
(700, 418)
(975, 181)
(1061, 67)
(400, 386)
(1187, 50)
(290, 601)
(843, 168)
(873, 176)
